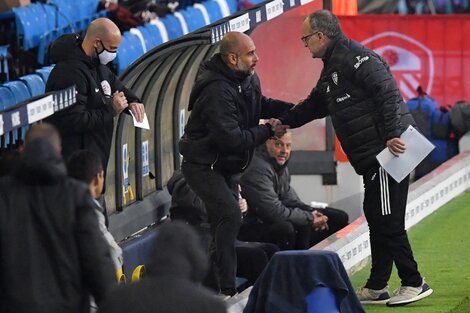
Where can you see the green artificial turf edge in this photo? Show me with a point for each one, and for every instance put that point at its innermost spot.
(441, 247)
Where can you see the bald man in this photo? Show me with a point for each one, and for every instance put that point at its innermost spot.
(226, 104)
(89, 123)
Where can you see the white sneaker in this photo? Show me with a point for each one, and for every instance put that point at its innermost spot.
(372, 296)
(407, 294)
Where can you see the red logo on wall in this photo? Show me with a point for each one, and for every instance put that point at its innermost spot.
(411, 62)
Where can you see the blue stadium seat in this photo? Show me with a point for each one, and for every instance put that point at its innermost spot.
(68, 13)
(35, 84)
(44, 73)
(86, 12)
(134, 45)
(173, 26)
(4, 63)
(19, 89)
(123, 59)
(194, 18)
(7, 98)
(232, 5)
(28, 26)
(322, 299)
(213, 9)
(137, 250)
(155, 35)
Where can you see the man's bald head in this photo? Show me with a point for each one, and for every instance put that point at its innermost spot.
(101, 34)
(233, 43)
(238, 52)
(44, 131)
(102, 28)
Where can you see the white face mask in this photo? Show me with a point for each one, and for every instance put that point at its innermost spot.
(106, 56)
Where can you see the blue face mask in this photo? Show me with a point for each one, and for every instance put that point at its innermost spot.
(106, 56)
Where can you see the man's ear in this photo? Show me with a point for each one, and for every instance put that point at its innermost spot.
(96, 180)
(232, 58)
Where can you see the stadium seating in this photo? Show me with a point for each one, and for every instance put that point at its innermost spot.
(19, 90)
(151, 35)
(34, 83)
(7, 98)
(30, 25)
(173, 26)
(213, 10)
(136, 251)
(44, 72)
(194, 18)
(4, 63)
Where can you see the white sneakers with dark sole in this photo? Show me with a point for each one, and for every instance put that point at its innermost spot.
(406, 294)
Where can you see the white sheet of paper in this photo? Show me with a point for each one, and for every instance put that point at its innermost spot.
(417, 148)
(144, 124)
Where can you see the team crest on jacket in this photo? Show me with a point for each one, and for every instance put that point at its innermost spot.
(411, 62)
(334, 77)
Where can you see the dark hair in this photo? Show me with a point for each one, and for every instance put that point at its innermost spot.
(326, 22)
(84, 165)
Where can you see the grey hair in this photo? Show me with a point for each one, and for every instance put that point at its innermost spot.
(326, 22)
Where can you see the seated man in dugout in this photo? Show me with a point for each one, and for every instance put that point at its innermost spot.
(276, 214)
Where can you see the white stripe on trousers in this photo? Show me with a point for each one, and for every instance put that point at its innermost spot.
(384, 193)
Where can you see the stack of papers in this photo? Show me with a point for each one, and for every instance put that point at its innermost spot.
(417, 148)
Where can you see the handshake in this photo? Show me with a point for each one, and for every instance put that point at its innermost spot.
(278, 128)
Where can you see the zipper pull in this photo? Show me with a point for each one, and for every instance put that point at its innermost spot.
(239, 89)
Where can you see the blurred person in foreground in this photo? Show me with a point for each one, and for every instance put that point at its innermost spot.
(53, 256)
(173, 278)
(356, 88)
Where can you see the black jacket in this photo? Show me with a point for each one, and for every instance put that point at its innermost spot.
(52, 252)
(223, 128)
(266, 187)
(185, 204)
(358, 91)
(89, 123)
(172, 281)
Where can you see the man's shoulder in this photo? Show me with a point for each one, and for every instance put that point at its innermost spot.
(259, 164)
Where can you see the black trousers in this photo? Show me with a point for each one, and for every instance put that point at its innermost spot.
(220, 195)
(384, 207)
(288, 236)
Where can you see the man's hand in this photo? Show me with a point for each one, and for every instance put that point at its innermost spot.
(119, 101)
(277, 127)
(243, 205)
(138, 110)
(396, 146)
(319, 221)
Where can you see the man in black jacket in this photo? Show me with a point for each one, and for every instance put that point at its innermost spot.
(89, 123)
(186, 206)
(356, 88)
(221, 133)
(276, 214)
(53, 255)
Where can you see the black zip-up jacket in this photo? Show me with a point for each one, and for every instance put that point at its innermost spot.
(357, 89)
(266, 187)
(223, 128)
(53, 255)
(89, 123)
